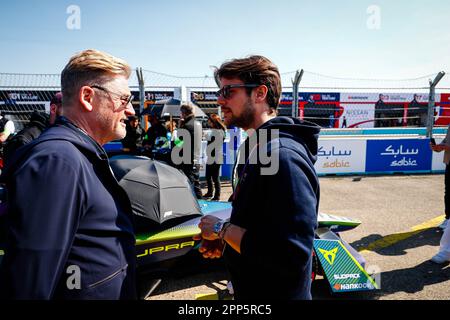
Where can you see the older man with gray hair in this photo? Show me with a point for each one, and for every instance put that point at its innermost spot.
(70, 230)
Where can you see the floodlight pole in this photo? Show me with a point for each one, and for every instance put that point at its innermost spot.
(430, 115)
(295, 84)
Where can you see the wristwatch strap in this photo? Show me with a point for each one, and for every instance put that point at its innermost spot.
(225, 226)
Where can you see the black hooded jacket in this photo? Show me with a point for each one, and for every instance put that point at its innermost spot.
(68, 219)
(278, 208)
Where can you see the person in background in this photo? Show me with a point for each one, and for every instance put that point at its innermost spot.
(344, 122)
(332, 120)
(157, 129)
(55, 107)
(163, 143)
(381, 109)
(171, 126)
(216, 137)
(39, 121)
(6, 127)
(194, 128)
(70, 232)
(132, 142)
(445, 146)
(443, 256)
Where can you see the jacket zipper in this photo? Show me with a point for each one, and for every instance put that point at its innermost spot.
(115, 274)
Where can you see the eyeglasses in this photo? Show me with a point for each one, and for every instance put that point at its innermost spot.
(225, 92)
(125, 99)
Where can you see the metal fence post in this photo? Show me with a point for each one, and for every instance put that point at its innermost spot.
(430, 115)
(295, 83)
(141, 91)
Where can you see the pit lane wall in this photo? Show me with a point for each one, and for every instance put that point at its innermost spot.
(377, 156)
(362, 155)
(369, 155)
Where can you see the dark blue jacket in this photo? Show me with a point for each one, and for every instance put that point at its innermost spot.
(66, 213)
(279, 212)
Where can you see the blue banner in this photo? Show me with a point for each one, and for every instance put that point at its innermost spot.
(398, 155)
(312, 97)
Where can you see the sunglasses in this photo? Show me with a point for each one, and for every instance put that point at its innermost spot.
(124, 99)
(225, 91)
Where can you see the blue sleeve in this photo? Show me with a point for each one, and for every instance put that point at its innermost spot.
(283, 241)
(44, 205)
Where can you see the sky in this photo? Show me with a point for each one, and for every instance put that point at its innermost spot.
(384, 39)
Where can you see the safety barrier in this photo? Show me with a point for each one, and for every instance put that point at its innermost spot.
(380, 151)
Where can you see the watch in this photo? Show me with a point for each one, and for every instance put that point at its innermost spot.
(218, 226)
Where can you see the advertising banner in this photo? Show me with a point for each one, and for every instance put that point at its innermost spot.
(357, 116)
(17, 96)
(286, 97)
(359, 110)
(341, 156)
(204, 96)
(158, 95)
(362, 109)
(398, 155)
(443, 110)
(319, 97)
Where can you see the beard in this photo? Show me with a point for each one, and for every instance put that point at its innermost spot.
(246, 118)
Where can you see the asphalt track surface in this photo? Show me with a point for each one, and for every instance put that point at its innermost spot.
(397, 236)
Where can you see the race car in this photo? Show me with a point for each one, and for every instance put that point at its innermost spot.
(340, 264)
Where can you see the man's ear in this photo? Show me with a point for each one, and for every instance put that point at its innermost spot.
(261, 93)
(86, 97)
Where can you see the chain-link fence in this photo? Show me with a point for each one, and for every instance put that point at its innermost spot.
(351, 102)
(21, 94)
(331, 102)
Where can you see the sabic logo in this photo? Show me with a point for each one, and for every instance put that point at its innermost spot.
(337, 164)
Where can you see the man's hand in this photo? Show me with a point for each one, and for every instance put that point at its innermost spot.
(437, 147)
(210, 248)
(206, 226)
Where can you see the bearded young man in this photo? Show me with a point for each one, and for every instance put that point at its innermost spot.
(269, 238)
